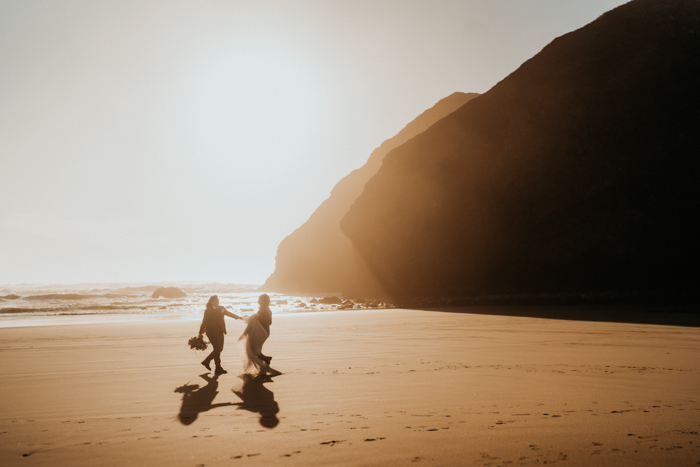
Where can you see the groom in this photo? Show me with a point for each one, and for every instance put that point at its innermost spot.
(214, 326)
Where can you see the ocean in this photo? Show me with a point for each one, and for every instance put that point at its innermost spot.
(40, 305)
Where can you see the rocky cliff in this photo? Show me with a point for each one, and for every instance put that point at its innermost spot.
(579, 172)
(318, 257)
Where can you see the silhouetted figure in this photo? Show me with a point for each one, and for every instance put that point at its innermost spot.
(196, 399)
(254, 336)
(257, 398)
(214, 326)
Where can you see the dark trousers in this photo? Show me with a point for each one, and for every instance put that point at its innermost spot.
(217, 342)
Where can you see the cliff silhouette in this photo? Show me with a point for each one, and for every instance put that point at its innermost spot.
(318, 257)
(577, 173)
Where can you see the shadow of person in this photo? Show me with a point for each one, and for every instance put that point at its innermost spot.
(257, 398)
(196, 399)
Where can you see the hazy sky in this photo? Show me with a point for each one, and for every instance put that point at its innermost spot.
(155, 141)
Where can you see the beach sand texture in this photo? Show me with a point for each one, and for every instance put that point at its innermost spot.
(377, 387)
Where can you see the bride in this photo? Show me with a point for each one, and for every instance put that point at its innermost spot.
(256, 333)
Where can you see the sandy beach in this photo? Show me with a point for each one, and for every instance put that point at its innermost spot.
(375, 387)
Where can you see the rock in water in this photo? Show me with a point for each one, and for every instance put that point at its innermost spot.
(578, 172)
(318, 257)
(168, 292)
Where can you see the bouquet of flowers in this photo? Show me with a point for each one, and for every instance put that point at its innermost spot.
(198, 343)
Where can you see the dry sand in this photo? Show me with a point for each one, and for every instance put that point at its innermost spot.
(389, 387)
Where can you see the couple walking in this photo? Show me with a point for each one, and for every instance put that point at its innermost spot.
(254, 336)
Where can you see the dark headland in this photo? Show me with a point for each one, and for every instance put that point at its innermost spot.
(573, 179)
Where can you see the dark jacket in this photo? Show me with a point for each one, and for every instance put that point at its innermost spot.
(213, 321)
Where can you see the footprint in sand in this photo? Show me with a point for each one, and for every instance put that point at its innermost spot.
(290, 455)
(333, 442)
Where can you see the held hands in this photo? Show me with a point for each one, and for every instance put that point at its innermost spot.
(229, 314)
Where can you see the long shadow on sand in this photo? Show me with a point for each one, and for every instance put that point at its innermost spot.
(196, 399)
(258, 399)
(670, 315)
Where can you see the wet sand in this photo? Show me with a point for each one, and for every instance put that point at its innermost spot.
(376, 387)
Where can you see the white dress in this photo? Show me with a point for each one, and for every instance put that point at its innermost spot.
(253, 337)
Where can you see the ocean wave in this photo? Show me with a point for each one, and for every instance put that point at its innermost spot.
(74, 296)
(59, 296)
(85, 313)
(108, 307)
(63, 310)
(29, 310)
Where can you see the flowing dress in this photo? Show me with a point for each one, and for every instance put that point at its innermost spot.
(253, 337)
